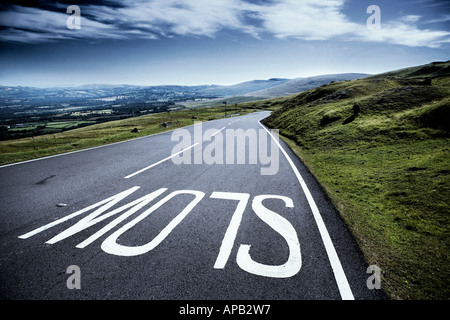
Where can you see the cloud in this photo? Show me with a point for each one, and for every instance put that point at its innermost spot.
(308, 20)
(176, 17)
(443, 18)
(34, 25)
(324, 20)
(407, 34)
(137, 19)
(410, 18)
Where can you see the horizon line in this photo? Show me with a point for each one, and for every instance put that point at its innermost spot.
(68, 85)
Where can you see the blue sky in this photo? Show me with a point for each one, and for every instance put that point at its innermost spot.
(192, 42)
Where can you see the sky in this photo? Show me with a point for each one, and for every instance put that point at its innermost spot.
(197, 42)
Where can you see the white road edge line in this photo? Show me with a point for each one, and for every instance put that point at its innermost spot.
(161, 161)
(339, 275)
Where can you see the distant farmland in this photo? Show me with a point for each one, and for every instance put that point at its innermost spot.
(40, 128)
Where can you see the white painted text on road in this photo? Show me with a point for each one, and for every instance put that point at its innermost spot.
(243, 258)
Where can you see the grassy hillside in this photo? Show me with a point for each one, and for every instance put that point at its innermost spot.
(380, 147)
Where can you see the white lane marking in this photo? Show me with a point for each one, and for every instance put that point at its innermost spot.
(339, 275)
(217, 132)
(161, 161)
(170, 157)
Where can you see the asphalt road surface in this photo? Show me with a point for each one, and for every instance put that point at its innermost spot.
(181, 215)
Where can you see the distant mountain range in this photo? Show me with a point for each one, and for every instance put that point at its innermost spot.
(271, 88)
(261, 88)
(19, 100)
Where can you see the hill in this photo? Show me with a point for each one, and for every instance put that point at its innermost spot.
(266, 89)
(303, 84)
(243, 87)
(380, 148)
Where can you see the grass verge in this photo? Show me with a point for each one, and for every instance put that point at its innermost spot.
(397, 210)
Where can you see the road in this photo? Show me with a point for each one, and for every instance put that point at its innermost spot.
(176, 216)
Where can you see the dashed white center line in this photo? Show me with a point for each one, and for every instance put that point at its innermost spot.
(161, 161)
(217, 132)
(171, 156)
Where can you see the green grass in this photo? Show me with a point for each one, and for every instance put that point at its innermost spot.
(66, 124)
(386, 169)
(99, 134)
(394, 198)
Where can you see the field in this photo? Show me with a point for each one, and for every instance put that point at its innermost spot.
(50, 127)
